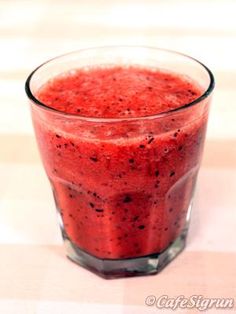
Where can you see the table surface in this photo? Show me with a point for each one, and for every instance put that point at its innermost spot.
(35, 276)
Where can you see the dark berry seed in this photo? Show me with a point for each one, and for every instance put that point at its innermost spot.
(127, 199)
(141, 146)
(135, 218)
(156, 173)
(99, 210)
(180, 147)
(175, 134)
(131, 160)
(70, 195)
(151, 139)
(141, 227)
(166, 229)
(94, 159)
(91, 205)
(72, 144)
(172, 173)
(58, 136)
(78, 110)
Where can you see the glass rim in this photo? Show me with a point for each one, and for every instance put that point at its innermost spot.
(199, 99)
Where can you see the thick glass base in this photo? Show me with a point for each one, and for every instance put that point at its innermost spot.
(117, 268)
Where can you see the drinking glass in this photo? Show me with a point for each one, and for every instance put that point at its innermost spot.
(123, 187)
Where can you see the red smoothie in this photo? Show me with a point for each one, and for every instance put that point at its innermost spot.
(123, 189)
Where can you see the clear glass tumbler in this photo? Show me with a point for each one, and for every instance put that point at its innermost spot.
(123, 187)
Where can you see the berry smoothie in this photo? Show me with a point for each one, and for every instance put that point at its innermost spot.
(123, 187)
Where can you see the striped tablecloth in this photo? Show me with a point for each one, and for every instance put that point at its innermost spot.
(35, 276)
